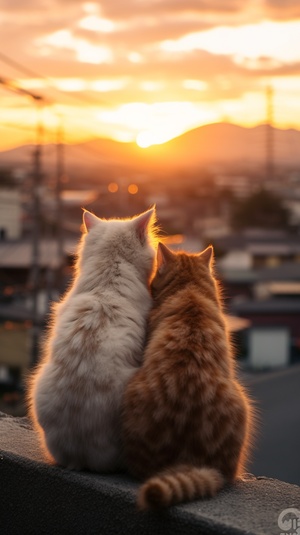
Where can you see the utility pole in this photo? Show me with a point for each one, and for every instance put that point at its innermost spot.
(269, 135)
(34, 277)
(36, 234)
(60, 170)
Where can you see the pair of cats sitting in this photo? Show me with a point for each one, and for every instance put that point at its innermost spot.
(138, 371)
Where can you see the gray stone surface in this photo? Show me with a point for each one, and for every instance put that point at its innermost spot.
(37, 498)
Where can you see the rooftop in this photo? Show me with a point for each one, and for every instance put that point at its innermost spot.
(255, 240)
(266, 306)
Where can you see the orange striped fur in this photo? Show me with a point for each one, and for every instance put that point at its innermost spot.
(186, 419)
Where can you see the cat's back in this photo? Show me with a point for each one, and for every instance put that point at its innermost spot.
(95, 344)
(187, 322)
(103, 331)
(186, 386)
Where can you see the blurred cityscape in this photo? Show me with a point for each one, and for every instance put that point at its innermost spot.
(249, 209)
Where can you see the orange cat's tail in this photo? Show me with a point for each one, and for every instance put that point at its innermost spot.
(179, 484)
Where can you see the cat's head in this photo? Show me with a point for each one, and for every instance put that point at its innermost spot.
(129, 240)
(177, 270)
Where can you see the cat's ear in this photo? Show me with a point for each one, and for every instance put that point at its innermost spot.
(207, 255)
(164, 256)
(89, 220)
(142, 222)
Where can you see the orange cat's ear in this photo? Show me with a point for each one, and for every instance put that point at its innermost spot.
(142, 223)
(89, 220)
(164, 256)
(207, 255)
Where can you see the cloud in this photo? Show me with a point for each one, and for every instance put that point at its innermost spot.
(120, 9)
(282, 9)
(138, 36)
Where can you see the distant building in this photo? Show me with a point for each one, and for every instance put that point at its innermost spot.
(274, 312)
(259, 248)
(10, 214)
(293, 206)
(241, 186)
(270, 299)
(260, 272)
(16, 258)
(14, 351)
(19, 320)
(212, 227)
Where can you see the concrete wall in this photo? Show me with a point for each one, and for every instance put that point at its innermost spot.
(37, 499)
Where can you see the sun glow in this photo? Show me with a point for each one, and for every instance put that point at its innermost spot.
(195, 85)
(156, 123)
(145, 139)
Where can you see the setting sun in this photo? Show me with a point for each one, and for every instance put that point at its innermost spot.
(145, 139)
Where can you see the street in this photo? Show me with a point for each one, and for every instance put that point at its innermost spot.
(277, 446)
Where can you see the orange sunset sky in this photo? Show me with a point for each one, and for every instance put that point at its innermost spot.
(146, 69)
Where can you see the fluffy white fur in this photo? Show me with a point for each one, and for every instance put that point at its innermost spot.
(95, 344)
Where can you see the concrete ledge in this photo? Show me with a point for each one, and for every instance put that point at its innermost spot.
(37, 499)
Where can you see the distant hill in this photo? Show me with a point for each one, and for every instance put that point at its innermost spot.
(213, 143)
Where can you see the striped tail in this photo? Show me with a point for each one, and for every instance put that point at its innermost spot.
(179, 484)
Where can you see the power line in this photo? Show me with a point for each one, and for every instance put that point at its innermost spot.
(16, 65)
(14, 87)
(29, 72)
(51, 133)
(11, 86)
(18, 127)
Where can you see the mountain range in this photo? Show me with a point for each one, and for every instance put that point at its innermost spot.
(210, 144)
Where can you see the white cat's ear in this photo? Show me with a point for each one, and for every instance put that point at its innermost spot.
(89, 220)
(164, 256)
(142, 222)
(207, 255)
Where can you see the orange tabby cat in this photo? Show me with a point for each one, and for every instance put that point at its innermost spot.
(186, 420)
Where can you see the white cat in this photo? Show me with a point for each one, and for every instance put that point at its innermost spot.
(95, 344)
